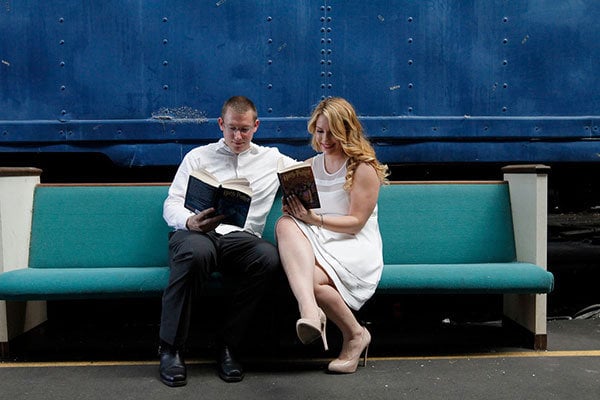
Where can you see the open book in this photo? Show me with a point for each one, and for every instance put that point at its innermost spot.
(299, 180)
(230, 198)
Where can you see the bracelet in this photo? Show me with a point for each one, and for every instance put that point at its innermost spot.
(321, 215)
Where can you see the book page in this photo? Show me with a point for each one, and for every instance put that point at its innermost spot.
(241, 185)
(205, 176)
(282, 169)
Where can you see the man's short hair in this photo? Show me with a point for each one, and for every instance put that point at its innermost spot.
(240, 105)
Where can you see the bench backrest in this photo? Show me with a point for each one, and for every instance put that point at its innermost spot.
(433, 223)
(85, 226)
(424, 223)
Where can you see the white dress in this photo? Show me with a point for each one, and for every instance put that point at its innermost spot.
(353, 262)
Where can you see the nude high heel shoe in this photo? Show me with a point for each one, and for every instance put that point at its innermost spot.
(309, 330)
(339, 366)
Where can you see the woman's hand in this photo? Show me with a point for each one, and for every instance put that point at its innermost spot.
(293, 206)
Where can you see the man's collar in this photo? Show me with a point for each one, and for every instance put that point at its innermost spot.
(223, 147)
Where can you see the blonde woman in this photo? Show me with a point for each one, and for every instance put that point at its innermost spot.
(332, 255)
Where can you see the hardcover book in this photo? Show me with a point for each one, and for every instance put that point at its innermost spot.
(300, 181)
(231, 198)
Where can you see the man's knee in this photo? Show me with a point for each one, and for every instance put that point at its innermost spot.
(268, 257)
(192, 252)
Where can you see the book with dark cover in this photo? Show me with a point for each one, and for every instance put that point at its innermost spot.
(230, 198)
(300, 181)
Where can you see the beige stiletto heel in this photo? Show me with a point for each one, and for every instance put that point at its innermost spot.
(309, 330)
(339, 366)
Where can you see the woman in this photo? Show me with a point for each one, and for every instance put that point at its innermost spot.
(332, 256)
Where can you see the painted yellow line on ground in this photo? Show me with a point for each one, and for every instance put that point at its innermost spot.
(516, 354)
(38, 364)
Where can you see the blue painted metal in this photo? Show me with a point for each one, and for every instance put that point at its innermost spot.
(434, 81)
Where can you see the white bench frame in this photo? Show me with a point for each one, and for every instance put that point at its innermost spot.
(16, 206)
(528, 186)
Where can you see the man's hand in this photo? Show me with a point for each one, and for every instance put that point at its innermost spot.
(204, 221)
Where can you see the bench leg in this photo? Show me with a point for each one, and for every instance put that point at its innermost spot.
(527, 312)
(17, 318)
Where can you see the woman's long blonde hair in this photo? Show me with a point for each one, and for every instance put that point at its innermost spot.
(347, 129)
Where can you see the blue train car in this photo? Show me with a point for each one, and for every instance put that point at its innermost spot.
(436, 82)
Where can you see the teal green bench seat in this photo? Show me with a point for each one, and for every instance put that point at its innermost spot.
(110, 241)
(93, 242)
(453, 238)
(98, 241)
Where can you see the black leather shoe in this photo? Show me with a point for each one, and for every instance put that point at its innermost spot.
(172, 367)
(229, 369)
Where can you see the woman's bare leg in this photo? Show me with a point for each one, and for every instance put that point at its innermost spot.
(298, 261)
(336, 309)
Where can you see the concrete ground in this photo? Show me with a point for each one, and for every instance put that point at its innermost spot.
(486, 370)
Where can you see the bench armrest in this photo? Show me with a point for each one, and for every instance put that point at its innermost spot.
(528, 186)
(16, 205)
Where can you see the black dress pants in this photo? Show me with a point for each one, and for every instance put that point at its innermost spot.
(249, 262)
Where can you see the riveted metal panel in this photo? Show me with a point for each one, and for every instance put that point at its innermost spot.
(451, 80)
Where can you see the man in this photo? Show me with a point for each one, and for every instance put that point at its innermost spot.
(201, 244)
